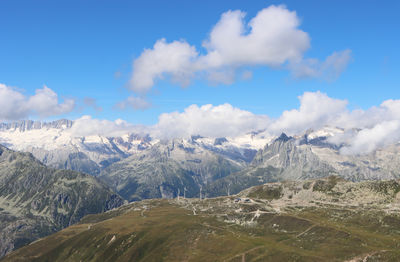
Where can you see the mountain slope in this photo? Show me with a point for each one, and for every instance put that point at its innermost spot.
(166, 169)
(316, 220)
(36, 200)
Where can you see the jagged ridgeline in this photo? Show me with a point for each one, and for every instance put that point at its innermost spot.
(316, 220)
(36, 201)
(58, 145)
(307, 157)
(140, 166)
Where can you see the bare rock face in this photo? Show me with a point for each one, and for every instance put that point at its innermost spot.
(36, 201)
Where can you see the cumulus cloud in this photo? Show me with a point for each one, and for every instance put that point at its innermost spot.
(135, 102)
(210, 121)
(15, 105)
(174, 59)
(272, 38)
(316, 110)
(45, 103)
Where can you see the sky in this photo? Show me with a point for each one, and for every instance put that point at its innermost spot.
(153, 62)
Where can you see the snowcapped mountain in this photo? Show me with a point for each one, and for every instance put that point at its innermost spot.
(57, 144)
(140, 166)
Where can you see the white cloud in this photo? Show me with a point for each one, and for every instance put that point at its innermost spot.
(137, 103)
(13, 103)
(316, 110)
(208, 120)
(87, 126)
(43, 103)
(272, 38)
(370, 139)
(173, 58)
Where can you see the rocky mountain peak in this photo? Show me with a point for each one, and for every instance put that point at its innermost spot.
(284, 138)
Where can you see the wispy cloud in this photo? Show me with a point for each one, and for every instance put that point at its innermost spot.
(91, 102)
(135, 102)
(329, 69)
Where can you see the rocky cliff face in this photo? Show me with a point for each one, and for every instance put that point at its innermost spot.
(303, 158)
(36, 200)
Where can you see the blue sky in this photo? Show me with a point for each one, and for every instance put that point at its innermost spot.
(78, 48)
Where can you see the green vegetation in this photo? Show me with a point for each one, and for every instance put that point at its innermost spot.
(268, 192)
(325, 185)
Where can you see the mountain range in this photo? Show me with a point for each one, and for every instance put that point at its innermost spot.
(52, 176)
(140, 166)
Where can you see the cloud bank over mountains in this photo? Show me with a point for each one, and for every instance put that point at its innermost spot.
(365, 130)
(272, 38)
(210, 121)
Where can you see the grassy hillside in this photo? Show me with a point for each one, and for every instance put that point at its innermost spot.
(275, 222)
